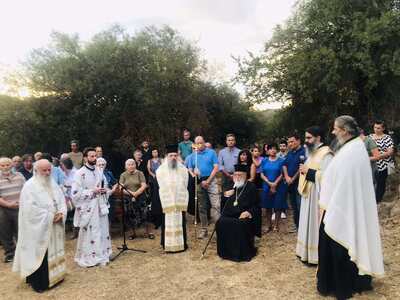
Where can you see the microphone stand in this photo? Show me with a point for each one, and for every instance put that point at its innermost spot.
(124, 247)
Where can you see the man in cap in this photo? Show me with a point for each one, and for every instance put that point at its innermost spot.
(237, 226)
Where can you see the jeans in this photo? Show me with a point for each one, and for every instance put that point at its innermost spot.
(8, 229)
(380, 186)
(212, 194)
(295, 202)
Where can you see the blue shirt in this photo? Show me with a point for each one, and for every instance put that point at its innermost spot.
(206, 160)
(227, 159)
(58, 175)
(292, 161)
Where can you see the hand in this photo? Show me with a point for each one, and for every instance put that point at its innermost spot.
(205, 184)
(303, 169)
(245, 215)
(135, 195)
(273, 185)
(98, 191)
(13, 205)
(289, 180)
(229, 193)
(57, 217)
(196, 172)
(273, 189)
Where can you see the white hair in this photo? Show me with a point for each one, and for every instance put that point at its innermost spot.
(130, 161)
(101, 160)
(5, 160)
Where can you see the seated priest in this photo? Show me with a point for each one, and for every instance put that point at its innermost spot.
(237, 225)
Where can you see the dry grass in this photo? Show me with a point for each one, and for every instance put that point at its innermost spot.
(274, 274)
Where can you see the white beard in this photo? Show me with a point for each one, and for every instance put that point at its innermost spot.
(45, 182)
(239, 183)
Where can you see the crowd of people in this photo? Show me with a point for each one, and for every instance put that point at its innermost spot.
(332, 191)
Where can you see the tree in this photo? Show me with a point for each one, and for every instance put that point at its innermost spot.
(118, 89)
(330, 58)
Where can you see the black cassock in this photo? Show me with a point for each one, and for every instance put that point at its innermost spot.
(235, 237)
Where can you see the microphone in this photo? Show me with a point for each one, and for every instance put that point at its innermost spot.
(102, 183)
(302, 159)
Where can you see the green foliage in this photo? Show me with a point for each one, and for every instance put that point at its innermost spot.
(118, 89)
(330, 58)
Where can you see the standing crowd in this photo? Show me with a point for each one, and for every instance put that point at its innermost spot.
(332, 191)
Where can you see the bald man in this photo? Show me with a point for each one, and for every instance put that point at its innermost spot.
(203, 163)
(39, 257)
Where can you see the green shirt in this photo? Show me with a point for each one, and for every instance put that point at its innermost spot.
(185, 149)
(132, 181)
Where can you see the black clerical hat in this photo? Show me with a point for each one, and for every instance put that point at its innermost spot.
(172, 148)
(241, 168)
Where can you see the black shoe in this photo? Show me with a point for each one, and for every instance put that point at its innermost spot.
(9, 258)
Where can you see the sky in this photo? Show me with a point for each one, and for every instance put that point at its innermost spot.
(220, 28)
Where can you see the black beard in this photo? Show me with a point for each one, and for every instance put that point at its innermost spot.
(310, 146)
(92, 163)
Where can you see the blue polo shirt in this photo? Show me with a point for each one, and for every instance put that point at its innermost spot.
(292, 161)
(206, 160)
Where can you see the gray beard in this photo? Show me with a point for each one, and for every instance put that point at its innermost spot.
(172, 164)
(239, 184)
(45, 182)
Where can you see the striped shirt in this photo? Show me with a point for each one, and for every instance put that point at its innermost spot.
(384, 144)
(11, 186)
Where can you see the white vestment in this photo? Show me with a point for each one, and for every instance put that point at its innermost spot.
(351, 217)
(91, 216)
(308, 233)
(37, 233)
(174, 197)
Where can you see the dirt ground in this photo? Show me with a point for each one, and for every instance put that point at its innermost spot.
(275, 273)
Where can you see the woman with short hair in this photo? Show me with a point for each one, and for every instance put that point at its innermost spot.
(137, 212)
(385, 162)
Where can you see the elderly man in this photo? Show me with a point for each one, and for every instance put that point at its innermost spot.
(40, 249)
(204, 164)
(238, 224)
(11, 184)
(90, 194)
(311, 173)
(349, 247)
(173, 179)
(16, 163)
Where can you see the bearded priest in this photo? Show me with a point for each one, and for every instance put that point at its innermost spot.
(40, 254)
(173, 179)
(237, 225)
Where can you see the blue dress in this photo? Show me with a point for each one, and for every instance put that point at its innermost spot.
(272, 170)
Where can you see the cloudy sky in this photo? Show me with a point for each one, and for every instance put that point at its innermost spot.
(221, 28)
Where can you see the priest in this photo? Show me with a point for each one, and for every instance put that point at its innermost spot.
(238, 223)
(90, 194)
(311, 173)
(173, 179)
(40, 254)
(349, 247)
